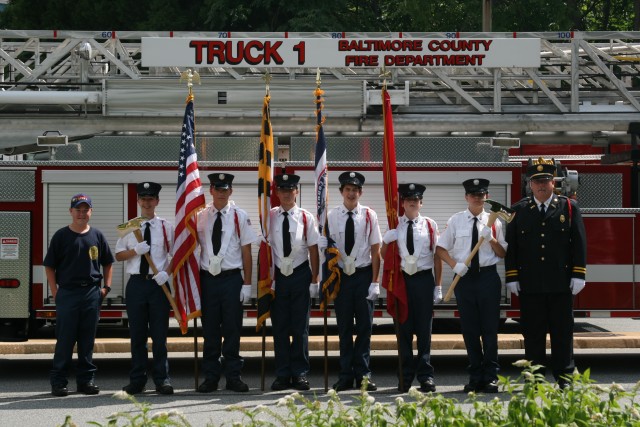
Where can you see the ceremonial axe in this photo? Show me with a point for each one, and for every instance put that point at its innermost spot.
(498, 210)
(134, 225)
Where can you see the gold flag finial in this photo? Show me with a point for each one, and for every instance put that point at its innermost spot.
(190, 77)
(383, 75)
(267, 79)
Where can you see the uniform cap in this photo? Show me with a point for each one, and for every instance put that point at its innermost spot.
(221, 180)
(148, 189)
(410, 191)
(287, 180)
(79, 199)
(541, 169)
(353, 178)
(476, 185)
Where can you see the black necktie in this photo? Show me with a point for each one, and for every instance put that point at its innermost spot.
(286, 236)
(144, 264)
(349, 234)
(216, 236)
(410, 247)
(475, 261)
(542, 210)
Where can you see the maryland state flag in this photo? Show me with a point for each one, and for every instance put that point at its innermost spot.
(265, 182)
(392, 278)
(330, 270)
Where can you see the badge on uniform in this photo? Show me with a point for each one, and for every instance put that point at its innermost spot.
(561, 218)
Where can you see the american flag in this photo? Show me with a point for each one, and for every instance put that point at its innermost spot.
(392, 278)
(265, 182)
(189, 200)
(330, 271)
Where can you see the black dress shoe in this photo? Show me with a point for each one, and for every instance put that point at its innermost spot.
(88, 388)
(300, 383)
(428, 386)
(472, 386)
(164, 388)
(563, 383)
(208, 386)
(490, 387)
(371, 386)
(237, 385)
(59, 390)
(281, 383)
(406, 385)
(132, 388)
(343, 385)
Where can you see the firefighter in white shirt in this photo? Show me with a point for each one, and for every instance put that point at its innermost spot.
(294, 242)
(478, 292)
(225, 236)
(355, 230)
(417, 237)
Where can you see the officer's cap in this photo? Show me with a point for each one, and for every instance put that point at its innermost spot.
(148, 189)
(79, 199)
(287, 180)
(353, 178)
(476, 186)
(411, 191)
(221, 180)
(541, 169)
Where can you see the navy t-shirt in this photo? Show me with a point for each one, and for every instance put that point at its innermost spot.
(76, 257)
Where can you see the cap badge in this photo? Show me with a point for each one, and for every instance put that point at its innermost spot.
(539, 168)
(476, 181)
(352, 175)
(412, 187)
(285, 177)
(561, 218)
(221, 176)
(146, 185)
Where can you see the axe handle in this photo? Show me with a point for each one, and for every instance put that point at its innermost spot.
(492, 219)
(172, 301)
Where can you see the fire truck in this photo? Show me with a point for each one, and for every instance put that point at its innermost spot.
(84, 113)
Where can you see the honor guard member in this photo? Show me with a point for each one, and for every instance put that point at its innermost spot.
(478, 292)
(545, 266)
(294, 242)
(225, 236)
(72, 265)
(417, 237)
(355, 230)
(147, 305)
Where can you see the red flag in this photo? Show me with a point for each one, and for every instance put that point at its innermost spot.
(392, 278)
(189, 200)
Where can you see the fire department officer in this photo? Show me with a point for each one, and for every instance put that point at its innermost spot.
(417, 237)
(478, 292)
(225, 236)
(147, 305)
(545, 266)
(355, 230)
(72, 266)
(294, 242)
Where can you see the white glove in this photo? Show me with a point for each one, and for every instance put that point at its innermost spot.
(437, 294)
(245, 293)
(273, 285)
(577, 285)
(514, 287)
(161, 278)
(485, 232)
(374, 291)
(390, 236)
(142, 248)
(314, 290)
(322, 243)
(460, 269)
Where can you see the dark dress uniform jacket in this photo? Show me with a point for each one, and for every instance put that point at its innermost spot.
(545, 253)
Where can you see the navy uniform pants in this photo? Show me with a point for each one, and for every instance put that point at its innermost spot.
(553, 313)
(478, 298)
(77, 312)
(221, 324)
(290, 310)
(148, 314)
(352, 303)
(419, 321)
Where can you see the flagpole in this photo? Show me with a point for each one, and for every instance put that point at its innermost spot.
(396, 325)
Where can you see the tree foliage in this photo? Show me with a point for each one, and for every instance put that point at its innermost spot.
(416, 16)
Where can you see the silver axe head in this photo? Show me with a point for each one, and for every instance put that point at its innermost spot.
(130, 226)
(501, 210)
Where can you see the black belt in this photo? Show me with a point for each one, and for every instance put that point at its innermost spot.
(143, 276)
(418, 273)
(80, 285)
(296, 269)
(487, 268)
(366, 267)
(223, 273)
